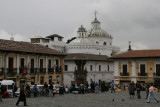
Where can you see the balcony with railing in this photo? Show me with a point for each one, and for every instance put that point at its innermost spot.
(33, 71)
(42, 70)
(23, 71)
(143, 74)
(58, 70)
(51, 70)
(157, 74)
(122, 74)
(11, 71)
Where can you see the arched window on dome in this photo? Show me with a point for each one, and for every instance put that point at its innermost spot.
(104, 43)
(97, 42)
(110, 43)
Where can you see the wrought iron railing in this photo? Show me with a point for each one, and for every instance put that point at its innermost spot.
(59, 70)
(23, 71)
(11, 71)
(156, 74)
(142, 74)
(42, 70)
(50, 70)
(124, 74)
(33, 70)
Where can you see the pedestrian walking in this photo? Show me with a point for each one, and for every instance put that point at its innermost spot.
(147, 90)
(50, 90)
(96, 87)
(112, 87)
(138, 87)
(151, 93)
(66, 89)
(131, 90)
(22, 96)
(46, 91)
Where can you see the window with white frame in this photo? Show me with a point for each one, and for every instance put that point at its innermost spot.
(99, 67)
(90, 67)
(108, 67)
(58, 78)
(125, 70)
(142, 69)
(157, 69)
(66, 67)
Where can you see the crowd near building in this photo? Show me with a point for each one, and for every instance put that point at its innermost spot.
(87, 57)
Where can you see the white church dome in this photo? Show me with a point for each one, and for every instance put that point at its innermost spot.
(96, 30)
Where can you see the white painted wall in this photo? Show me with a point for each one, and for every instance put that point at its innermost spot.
(95, 74)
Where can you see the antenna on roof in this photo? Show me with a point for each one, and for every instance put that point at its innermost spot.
(12, 38)
(129, 48)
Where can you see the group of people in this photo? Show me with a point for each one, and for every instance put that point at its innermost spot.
(93, 87)
(137, 87)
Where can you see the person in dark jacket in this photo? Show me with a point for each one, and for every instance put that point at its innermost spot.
(50, 90)
(22, 96)
(138, 87)
(46, 90)
(92, 86)
(131, 89)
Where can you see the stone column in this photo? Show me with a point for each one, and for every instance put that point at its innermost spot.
(46, 64)
(4, 65)
(134, 71)
(37, 68)
(18, 63)
(116, 72)
(28, 63)
(133, 68)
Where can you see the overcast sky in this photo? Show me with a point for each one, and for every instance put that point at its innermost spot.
(126, 20)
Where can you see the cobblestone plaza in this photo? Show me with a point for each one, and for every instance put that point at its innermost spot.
(86, 100)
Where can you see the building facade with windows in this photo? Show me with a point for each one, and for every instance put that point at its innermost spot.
(30, 63)
(82, 68)
(137, 65)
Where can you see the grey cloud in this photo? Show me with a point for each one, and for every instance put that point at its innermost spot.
(127, 20)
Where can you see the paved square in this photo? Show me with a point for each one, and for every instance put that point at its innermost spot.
(86, 100)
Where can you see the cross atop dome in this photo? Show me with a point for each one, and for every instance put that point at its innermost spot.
(95, 12)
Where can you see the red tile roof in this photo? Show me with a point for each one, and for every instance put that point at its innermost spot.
(15, 46)
(139, 54)
(81, 56)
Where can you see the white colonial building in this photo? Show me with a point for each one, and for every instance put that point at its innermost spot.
(53, 41)
(87, 54)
